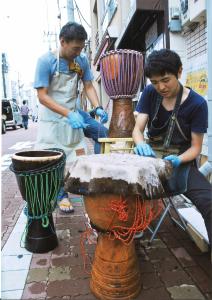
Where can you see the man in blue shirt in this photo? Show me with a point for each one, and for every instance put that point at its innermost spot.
(176, 118)
(56, 80)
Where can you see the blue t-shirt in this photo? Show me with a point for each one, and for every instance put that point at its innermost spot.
(47, 67)
(192, 115)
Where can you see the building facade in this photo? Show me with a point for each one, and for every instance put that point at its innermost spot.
(180, 25)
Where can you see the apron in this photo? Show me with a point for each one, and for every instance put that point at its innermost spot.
(53, 129)
(170, 139)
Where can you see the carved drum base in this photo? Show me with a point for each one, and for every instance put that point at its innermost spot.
(115, 271)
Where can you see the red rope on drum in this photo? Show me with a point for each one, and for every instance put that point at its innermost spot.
(145, 212)
(121, 208)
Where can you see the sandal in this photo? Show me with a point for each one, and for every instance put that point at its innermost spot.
(64, 202)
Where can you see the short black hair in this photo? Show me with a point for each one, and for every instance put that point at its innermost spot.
(24, 102)
(73, 31)
(163, 61)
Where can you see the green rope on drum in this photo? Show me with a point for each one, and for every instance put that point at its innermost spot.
(41, 193)
(42, 199)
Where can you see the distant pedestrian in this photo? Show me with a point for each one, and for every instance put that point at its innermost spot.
(25, 114)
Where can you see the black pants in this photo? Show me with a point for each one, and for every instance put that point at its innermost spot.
(199, 191)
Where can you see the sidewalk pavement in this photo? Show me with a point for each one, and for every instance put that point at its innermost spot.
(172, 267)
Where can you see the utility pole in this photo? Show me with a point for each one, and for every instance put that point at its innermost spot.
(209, 38)
(70, 10)
(4, 71)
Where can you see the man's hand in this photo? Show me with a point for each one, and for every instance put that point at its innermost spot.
(102, 114)
(174, 159)
(75, 120)
(144, 149)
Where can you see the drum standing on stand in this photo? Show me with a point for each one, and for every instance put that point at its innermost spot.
(121, 71)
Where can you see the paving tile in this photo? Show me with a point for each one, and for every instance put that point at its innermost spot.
(62, 250)
(154, 253)
(37, 275)
(191, 248)
(12, 247)
(156, 244)
(15, 262)
(182, 255)
(40, 262)
(185, 292)
(67, 261)
(151, 280)
(11, 295)
(77, 272)
(175, 277)
(146, 267)
(35, 290)
(154, 294)
(205, 286)
(59, 273)
(169, 240)
(197, 274)
(68, 287)
(10, 282)
(204, 262)
(168, 263)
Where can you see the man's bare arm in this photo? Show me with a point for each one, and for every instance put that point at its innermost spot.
(91, 93)
(138, 131)
(49, 102)
(195, 149)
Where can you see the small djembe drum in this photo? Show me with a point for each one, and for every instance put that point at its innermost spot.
(39, 175)
(121, 71)
(118, 190)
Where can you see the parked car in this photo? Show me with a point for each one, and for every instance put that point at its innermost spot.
(13, 114)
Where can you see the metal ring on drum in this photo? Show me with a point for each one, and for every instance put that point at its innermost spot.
(121, 71)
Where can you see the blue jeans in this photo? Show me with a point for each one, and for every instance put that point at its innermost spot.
(94, 131)
(25, 121)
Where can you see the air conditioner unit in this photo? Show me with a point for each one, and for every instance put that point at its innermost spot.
(175, 25)
(185, 17)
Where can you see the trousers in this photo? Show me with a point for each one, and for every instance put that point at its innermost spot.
(199, 192)
(94, 130)
(25, 121)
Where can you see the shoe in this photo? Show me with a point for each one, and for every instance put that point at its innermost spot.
(64, 202)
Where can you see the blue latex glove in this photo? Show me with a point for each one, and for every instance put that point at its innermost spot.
(102, 114)
(75, 120)
(174, 159)
(144, 149)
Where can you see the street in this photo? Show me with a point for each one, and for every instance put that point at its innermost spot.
(12, 203)
(17, 140)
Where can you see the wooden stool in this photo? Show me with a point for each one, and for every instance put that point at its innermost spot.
(108, 143)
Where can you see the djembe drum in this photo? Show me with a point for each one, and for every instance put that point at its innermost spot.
(118, 190)
(121, 71)
(39, 175)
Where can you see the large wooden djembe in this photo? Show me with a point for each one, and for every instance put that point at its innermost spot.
(118, 194)
(121, 71)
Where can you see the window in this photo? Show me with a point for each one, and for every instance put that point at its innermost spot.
(110, 10)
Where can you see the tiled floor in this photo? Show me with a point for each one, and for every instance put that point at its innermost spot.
(15, 262)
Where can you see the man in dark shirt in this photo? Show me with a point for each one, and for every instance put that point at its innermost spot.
(176, 118)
